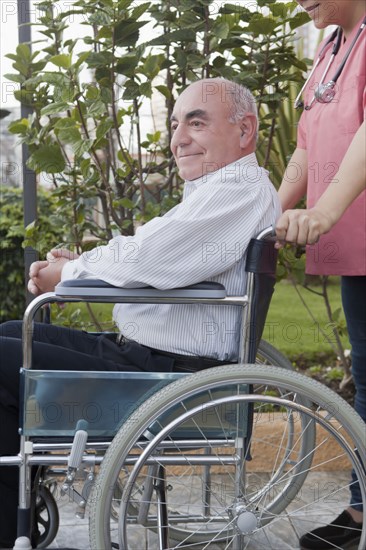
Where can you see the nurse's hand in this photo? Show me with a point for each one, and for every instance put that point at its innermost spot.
(302, 226)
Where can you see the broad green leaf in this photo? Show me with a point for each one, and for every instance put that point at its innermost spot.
(262, 25)
(126, 203)
(63, 123)
(15, 78)
(84, 167)
(139, 10)
(185, 5)
(19, 126)
(54, 108)
(62, 60)
(24, 52)
(154, 138)
(99, 59)
(57, 79)
(11, 56)
(126, 65)
(181, 35)
(196, 61)
(82, 146)
(103, 77)
(104, 127)
(81, 58)
(26, 97)
(165, 91)
(96, 108)
(106, 95)
(23, 68)
(92, 92)
(190, 19)
(264, 3)
(299, 19)
(69, 135)
(152, 65)
(181, 58)
(47, 158)
(100, 18)
(126, 33)
(37, 67)
(105, 32)
(221, 30)
(145, 89)
(132, 90)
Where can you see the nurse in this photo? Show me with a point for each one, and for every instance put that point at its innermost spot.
(329, 167)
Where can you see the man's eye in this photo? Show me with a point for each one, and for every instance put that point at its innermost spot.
(196, 123)
(173, 127)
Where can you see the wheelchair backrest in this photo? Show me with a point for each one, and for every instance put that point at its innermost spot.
(261, 268)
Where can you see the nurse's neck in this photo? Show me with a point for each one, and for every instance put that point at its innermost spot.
(358, 10)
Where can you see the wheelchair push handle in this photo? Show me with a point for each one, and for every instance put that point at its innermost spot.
(266, 233)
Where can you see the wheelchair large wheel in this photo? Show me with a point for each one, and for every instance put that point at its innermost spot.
(269, 355)
(266, 355)
(158, 459)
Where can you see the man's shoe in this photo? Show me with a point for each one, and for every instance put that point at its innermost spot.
(343, 532)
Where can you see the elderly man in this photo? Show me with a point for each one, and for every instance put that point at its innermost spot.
(227, 200)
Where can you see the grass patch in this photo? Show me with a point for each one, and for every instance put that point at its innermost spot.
(290, 328)
(90, 317)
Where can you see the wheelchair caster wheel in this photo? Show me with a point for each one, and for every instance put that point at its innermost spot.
(46, 517)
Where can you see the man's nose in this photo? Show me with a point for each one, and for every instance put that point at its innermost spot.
(180, 136)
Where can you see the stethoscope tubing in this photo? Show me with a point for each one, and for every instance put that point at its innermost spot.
(336, 46)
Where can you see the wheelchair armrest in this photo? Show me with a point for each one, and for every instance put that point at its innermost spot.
(94, 287)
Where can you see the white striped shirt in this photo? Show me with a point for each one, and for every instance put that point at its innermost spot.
(204, 238)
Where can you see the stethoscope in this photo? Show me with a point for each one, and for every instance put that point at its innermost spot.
(324, 93)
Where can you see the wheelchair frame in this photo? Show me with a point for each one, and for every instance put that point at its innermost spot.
(244, 519)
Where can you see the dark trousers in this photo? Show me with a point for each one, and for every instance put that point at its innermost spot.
(354, 305)
(56, 348)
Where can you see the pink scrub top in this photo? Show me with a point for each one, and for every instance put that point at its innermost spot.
(326, 131)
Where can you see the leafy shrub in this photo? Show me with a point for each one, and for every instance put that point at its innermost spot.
(46, 232)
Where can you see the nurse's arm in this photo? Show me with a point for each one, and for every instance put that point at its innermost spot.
(292, 189)
(293, 185)
(306, 226)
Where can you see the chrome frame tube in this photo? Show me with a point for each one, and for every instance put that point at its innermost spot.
(162, 509)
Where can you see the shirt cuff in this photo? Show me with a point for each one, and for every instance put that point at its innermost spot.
(69, 271)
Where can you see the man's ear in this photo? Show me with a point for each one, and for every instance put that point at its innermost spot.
(248, 130)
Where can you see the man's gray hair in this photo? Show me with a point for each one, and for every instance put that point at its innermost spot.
(242, 101)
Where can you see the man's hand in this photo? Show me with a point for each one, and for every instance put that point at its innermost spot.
(302, 226)
(45, 275)
(63, 253)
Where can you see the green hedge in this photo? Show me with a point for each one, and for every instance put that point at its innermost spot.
(12, 240)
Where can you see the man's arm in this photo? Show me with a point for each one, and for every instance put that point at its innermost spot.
(306, 226)
(202, 237)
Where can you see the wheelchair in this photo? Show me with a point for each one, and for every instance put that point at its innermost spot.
(228, 457)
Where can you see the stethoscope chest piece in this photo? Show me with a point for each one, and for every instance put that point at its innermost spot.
(325, 93)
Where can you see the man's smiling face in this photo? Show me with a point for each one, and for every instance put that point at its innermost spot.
(203, 138)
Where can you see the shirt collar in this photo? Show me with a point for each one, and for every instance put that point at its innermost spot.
(191, 185)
